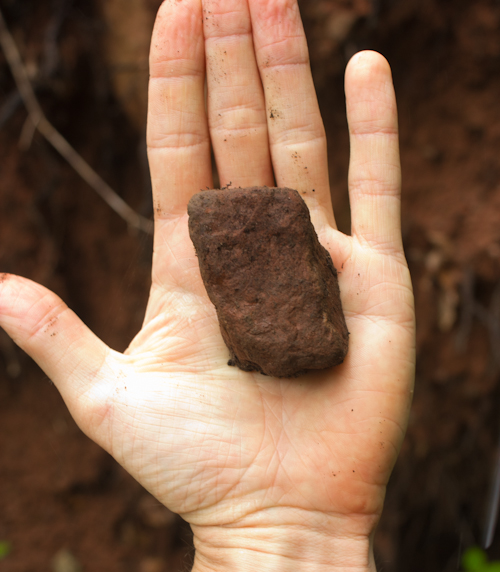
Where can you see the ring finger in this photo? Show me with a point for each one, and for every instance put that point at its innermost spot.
(296, 133)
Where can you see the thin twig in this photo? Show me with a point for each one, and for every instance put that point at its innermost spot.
(493, 504)
(53, 136)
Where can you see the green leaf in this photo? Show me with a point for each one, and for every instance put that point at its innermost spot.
(491, 567)
(474, 560)
(5, 548)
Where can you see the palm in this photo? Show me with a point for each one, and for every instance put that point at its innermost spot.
(324, 442)
(213, 443)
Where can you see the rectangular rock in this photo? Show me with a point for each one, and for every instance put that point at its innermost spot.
(273, 285)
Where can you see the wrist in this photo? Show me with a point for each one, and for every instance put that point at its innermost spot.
(316, 544)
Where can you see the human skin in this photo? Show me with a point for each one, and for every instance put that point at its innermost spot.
(272, 474)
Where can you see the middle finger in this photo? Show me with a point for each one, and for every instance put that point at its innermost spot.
(236, 104)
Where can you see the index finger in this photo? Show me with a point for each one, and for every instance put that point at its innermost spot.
(178, 138)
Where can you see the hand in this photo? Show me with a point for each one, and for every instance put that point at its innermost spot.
(274, 474)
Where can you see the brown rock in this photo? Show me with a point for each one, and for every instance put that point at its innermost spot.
(273, 285)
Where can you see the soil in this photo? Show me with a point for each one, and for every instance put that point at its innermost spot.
(60, 493)
(273, 285)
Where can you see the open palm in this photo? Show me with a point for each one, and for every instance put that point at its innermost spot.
(230, 450)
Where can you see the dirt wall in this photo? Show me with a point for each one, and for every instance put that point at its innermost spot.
(59, 491)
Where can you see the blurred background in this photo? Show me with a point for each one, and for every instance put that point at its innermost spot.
(65, 505)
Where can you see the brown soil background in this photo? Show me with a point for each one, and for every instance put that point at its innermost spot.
(64, 504)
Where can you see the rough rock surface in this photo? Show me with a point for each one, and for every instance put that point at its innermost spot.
(273, 285)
